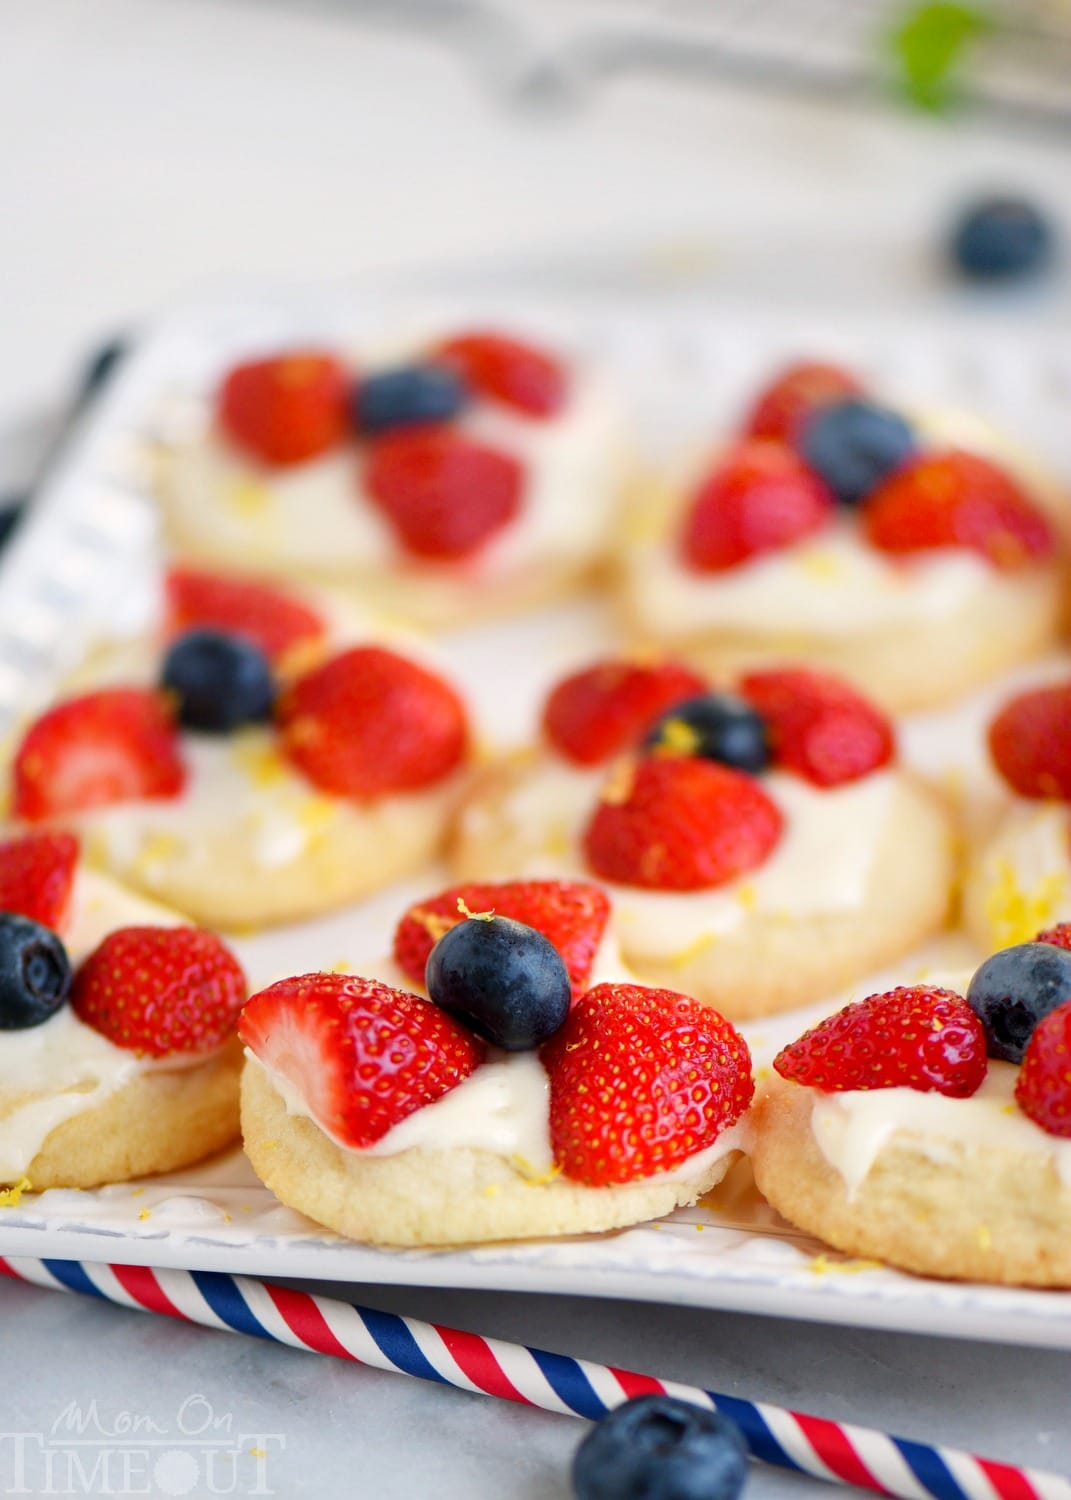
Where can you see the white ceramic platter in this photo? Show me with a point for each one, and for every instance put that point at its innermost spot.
(87, 564)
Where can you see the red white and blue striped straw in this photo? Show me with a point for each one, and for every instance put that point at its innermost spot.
(837, 1452)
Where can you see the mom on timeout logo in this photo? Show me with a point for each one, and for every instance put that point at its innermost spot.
(89, 1450)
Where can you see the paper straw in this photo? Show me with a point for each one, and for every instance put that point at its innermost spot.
(837, 1452)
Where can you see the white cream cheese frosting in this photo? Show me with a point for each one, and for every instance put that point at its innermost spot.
(52, 1072)
(852, 1128)
(1025, 871)
(821, 864)
(318, 516)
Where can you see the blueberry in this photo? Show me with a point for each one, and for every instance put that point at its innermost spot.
(660, 1448)
(1001, 238)
(717, 726)
(35, 973)
(408, 395)
(219, 681)
(1014, 990)
(504, 980)
(853, 445)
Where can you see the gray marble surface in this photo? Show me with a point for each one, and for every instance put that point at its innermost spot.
(330, 1429)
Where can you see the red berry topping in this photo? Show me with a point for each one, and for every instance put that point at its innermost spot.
(445, 495)
(608, 708)
(506, 370)
(783, 406)
(1059, 936)
(287, 409)
(957, 499)
(760, 498)
(640, 1080)
(820, 727)
(268, 616)
(681, 824)
(1043, 1088)
(913, 1037)
(362, 1056)
(116, 745)
(570, 913)
(157, 990)
(1030, 742)
(368, 723)
(37, 877)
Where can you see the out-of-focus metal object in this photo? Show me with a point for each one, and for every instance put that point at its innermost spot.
(555, 53)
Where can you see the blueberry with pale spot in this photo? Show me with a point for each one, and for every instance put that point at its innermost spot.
(1015, 990)
(503, 980)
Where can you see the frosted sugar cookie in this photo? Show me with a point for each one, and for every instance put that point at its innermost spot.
(118, 1054)
(494, 1108)
(251, 770)
(762, 847)
(470, 475)
(919, 559)
(889, 1133)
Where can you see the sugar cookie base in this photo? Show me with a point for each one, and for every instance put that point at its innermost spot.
(435, 1198)
(916, 666)
(765, 964)
(991, 1215)
(216, 879)
(157, 1122)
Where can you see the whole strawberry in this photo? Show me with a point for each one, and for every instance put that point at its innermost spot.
(37, 877)
(370, 722)
(1043, 1088)
(159, 990)
(681, 823)
(914, 1037)
(818, 726)
(363, 1056)
(641, 1079)
(608, 708)
(1030, 742)
(571, 913)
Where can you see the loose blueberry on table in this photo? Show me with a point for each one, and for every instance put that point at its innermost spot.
(661, 1448)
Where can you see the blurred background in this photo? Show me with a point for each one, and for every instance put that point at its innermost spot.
(791, 151)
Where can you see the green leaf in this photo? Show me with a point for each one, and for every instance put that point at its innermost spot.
(928, 45)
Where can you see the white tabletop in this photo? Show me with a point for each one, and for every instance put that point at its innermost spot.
(154, 149)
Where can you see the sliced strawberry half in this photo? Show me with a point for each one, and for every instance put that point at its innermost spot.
(641, 1079)
(759, 498)
(957, 499)
(607, 708)
(782, 407)
(444, 494)
(363, 1056)
(571, 913)
(1030, 742)
(159, 990)
(819, 726)
(115, 745)
(37, 877)
(680, 823)
(269, 617)
(916, 1037)
(286, 409)
(506, 369)
(370, 722)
